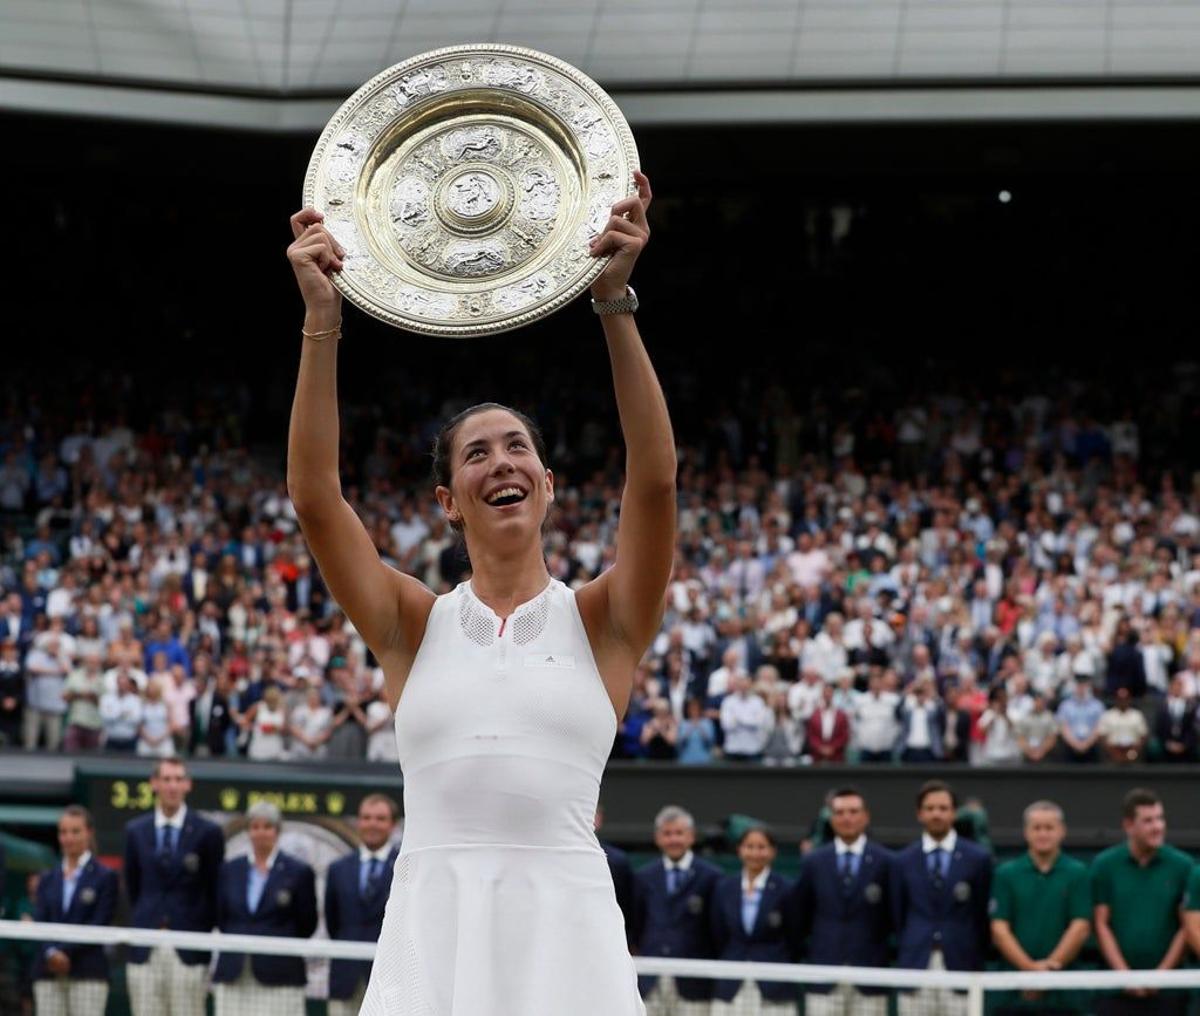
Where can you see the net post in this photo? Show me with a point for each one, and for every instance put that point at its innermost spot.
(975, 997)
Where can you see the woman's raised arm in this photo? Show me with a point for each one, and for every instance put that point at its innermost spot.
(635, 586)
(388, 608)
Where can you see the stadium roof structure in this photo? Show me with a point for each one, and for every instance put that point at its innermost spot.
(286, 64)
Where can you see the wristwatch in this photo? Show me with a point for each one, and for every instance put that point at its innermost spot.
(626, 304)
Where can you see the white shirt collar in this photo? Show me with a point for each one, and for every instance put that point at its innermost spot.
(175, 820)
(683, 864)
(381, 854)
(758, 883)
(948, 844)
(859, 846)
(83, 863)
(270, 859)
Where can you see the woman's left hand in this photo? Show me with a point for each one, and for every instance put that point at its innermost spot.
(623, 237)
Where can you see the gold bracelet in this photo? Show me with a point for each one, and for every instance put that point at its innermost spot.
(321, 336)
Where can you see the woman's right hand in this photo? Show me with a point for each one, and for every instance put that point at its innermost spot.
(314, 253)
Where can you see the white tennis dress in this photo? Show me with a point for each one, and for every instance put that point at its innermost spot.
(501, 902)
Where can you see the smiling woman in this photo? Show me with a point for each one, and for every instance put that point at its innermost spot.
(508, 689)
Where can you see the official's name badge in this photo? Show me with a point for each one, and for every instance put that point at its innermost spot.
(962, 891)
(559, 661)
(283, 898)
(88, 895)
(191, 862)
(774, 919)
(695, 904)
(873, 893)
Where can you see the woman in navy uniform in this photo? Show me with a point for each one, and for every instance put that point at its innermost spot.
(753, 919)
(72, 980)
(268, 893)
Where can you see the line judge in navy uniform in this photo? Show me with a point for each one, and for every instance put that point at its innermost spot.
(357, 886)
(671, 901)
(622, 874)
(172, 859)
(844, 907)
(942, 884)
(271, 893)
(69, 979)
(754, 919)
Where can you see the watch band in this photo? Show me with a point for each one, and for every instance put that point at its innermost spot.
(627, 304)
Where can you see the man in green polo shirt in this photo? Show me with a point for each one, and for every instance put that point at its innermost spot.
(1137, 890)
(1040, 908)
(1191, 911)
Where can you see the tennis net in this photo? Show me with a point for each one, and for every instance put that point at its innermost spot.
(101, 981)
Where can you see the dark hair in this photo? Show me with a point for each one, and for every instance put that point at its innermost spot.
(443, 469)
(848, 792)
(1139, 797)
(758, 827)
(936, 787)
(388, 802)
(168, 760)
(79, 811)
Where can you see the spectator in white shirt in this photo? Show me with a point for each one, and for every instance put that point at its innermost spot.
(746, 722)
(720, 681)
(875, 724)
(121, 714)
(999, 741)
(310, 725)
(805, 695)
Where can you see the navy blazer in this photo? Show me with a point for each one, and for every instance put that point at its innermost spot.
(180, 894)
(773, 939)
(94, 901)
(622, 876)
(675, 925)
(288, 907)
(845, 925)
(353, 916)
(953, 918)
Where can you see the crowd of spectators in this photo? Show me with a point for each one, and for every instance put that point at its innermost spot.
(987, 583)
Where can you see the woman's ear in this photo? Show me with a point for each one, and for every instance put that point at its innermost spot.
(446, 500)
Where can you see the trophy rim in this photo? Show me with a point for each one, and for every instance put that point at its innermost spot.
(518, 318)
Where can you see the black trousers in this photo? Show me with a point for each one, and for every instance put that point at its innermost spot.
(1167, 1004)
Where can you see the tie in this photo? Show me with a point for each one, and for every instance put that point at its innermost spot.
(168, 841)
(672, 880)
(937, 866)
(372, 875)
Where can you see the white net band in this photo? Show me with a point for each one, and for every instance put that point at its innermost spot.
(789, 973)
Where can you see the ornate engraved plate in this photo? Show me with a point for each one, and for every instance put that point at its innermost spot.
(465, 185)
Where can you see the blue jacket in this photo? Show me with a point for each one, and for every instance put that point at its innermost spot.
(288, 908)
(954, 917)
(845, 925)
(354, 917)
(180, 894)
(622, 876)
(94, 901)
(675, 925)
(773, 939)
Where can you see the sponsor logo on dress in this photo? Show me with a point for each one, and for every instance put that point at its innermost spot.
(561, 661)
